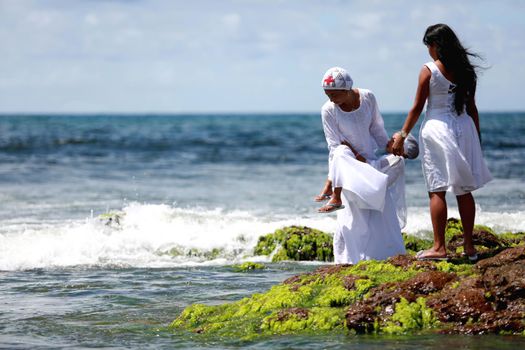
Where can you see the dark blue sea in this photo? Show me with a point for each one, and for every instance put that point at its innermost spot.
(204, 186)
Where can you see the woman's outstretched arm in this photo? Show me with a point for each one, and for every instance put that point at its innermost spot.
(414, 113)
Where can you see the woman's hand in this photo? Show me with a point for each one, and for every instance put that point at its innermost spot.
(397, 146)
(423, 90)
(356, 154)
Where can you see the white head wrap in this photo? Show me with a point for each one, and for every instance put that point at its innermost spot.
(337, 78)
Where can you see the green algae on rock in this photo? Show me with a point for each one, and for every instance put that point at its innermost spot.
(296, 243)
(301, 243)
(414, 244)
(205, 254)
(400, 295)
(248, 266)
(315, 301)
(487, 242)
(513, 238)
(409, 316)
(112, 219)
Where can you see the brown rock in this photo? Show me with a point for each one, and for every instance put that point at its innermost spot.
(360, 318)
(324, 271)
(407, 261)
(492, 322)
(461, 304)
(506, 283)
(403, 260)
(380, 303)
(428, 282)
(349, 281)
(297, 312)
(506, 257)
(480, 237)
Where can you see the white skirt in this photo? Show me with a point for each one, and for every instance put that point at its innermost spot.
(369, 227)
(451, 154)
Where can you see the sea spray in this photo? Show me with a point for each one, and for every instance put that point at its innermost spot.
(160, 235)
(142, 235)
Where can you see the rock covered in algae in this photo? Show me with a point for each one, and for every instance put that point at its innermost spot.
(248, 266)
(112, 218)
(486, 241)
(302, 243)
(296, 243)
(400, 295)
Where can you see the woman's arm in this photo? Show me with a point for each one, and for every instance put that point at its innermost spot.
(358, 156)
(472, 110)
(377, 126)
(331, 130)
(414, 113)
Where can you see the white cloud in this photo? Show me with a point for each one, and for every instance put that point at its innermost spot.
(231, 21)
(91, 19)
(363, 25)
(139, 55)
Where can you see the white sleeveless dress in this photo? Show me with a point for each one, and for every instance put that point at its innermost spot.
(449, 143)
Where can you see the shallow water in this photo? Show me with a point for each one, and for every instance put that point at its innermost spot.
(86, 307)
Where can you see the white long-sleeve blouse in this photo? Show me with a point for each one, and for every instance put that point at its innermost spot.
(363, 128)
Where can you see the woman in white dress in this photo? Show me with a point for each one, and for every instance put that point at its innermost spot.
(449, 136)
(369, 190)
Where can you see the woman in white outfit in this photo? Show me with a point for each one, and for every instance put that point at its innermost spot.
(369, 190)
(449, 136)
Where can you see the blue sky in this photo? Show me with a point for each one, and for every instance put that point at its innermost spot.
(241, 55)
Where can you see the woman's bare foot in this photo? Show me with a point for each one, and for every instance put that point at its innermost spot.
(471, 253)
(431, 254)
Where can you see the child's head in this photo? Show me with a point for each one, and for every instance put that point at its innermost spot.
(337, 78)
(336, 84)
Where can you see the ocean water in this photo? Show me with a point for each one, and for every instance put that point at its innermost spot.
(206, 186)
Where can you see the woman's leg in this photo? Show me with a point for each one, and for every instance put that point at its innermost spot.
(334, 203)
(325, 193)
(467, 212)
(438, 215)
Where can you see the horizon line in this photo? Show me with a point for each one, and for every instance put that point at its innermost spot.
(134, 113)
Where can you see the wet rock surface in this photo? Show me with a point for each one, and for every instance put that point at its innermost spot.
(399, 295)
(504, 258)
(463, 303)
(408, 261)
(489, 300)
(298, 243)
(491, 243)
(297, 312)
(380, 304)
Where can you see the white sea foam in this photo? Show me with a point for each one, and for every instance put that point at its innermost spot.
(151, 235)
(418, 222)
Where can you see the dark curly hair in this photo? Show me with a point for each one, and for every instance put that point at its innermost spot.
(455, 58)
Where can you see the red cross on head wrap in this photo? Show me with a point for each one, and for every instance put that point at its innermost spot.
(337, 78)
